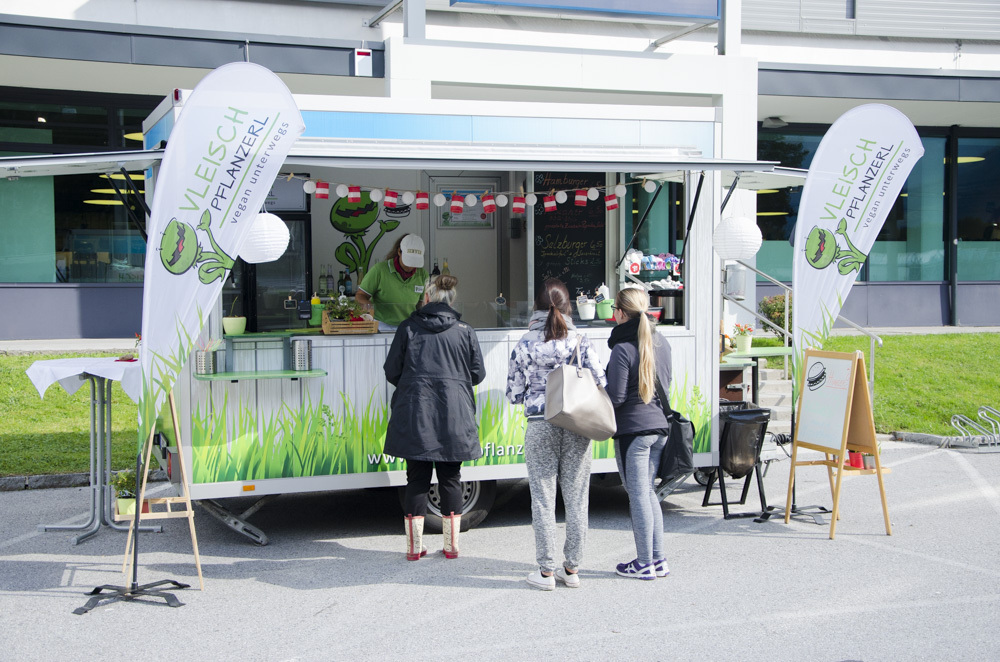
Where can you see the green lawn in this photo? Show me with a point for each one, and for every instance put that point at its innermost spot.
(920, 382)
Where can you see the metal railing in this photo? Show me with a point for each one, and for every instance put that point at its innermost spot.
(786, 336)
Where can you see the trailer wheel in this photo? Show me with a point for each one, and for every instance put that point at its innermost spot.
(477, 499)
(702, 475)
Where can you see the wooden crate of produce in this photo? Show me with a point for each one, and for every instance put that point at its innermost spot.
(345, 327)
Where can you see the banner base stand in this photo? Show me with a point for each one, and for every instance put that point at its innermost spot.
(123, 593)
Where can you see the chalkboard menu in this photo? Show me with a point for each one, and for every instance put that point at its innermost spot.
(569, 242)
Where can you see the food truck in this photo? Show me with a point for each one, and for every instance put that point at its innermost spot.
(285, 407)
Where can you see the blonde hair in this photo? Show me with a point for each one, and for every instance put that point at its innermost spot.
(442, 288)
(634, 302)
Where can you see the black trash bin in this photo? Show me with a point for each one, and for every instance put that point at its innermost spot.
(742, 425)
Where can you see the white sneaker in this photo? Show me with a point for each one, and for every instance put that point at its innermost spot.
(660, 565)
(570, 579)
(540, 581)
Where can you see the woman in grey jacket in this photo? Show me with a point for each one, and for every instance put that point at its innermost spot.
(433, 362)
(551, 453)
(639, 358)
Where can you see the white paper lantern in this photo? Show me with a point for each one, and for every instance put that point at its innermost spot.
(501, 200)
(737, 238)
(531, 199)
(649, 185)
(560, 196)
(439, 200)
(266, 240)
(408, 197)
(620, 191)
(375, 194)
(309, 186)
(341, 190)
(593, 193)
(470, 200)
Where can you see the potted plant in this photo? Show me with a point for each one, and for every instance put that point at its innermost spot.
(743, 337)
(123, 483)
(868, 460)
(234, 325)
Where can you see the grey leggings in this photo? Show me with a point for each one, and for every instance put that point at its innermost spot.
(638, 466)
(553, 455)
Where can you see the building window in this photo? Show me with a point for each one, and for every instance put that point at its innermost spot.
(69, 228)
(978, 209)
(910, 245)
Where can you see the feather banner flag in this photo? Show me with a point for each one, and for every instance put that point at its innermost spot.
(854, 179)
(223, 155)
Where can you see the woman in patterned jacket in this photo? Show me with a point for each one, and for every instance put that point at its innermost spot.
(551, 453)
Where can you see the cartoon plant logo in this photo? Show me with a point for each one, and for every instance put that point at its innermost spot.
(180, 250)
(354, 219)
(822, 250)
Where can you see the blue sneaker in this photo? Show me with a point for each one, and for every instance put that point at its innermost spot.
(637, 570)
(660, 566)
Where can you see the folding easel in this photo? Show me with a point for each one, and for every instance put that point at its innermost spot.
(833, 384)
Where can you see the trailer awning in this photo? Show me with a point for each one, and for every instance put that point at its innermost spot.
(752, 180)
(667, 164)
(47, 165)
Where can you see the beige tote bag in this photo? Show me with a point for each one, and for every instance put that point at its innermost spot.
(576, 402)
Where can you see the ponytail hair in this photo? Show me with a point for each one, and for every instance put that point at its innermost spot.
(554, 297)
(442, 288)
(634, 302)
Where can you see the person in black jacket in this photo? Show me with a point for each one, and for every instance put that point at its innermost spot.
(640, 357)
(433, 362)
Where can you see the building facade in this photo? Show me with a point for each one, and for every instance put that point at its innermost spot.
(81, 77)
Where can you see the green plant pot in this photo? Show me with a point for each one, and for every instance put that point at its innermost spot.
(743, 343)
(126, 506)
(234, 326)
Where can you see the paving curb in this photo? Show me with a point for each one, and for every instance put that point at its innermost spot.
(50, 481)
(941, 442)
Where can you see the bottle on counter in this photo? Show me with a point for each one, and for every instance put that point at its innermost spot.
(321, 282)
(445, 271)
(435, 271)
(348, 283)
(340, 283)
(316, 308)
(328, 282)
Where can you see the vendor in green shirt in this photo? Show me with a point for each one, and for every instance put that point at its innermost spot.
(396, 285)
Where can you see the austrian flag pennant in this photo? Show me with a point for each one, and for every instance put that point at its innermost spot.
(581, 198)
(611, 201)
(354, 194)
(550, 203)
(489, 205)
(422, 200)
(322, 190)
(457, 204)
(391, 197)
(518, 206)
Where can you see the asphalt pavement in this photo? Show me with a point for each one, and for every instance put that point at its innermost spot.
(333, 583)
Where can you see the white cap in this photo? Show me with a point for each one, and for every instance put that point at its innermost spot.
(412, 249)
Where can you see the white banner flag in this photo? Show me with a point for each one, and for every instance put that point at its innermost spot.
(222, 156)
(853, 181)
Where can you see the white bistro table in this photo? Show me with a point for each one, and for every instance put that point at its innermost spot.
(100, 372)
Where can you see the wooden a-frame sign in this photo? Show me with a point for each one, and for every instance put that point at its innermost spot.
(835, 416)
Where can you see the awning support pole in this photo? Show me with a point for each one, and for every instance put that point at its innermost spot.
(694, 208)
(729, 193)
(123, 198)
